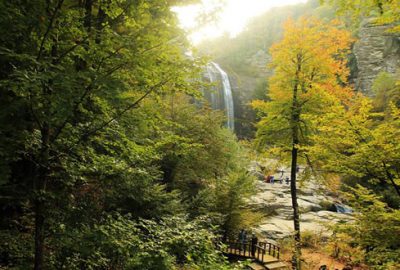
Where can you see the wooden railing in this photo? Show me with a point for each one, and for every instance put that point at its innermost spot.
(256, 252)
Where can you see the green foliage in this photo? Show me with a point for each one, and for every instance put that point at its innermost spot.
(382, 11)
(373, 230)
(120, 243)
(230, 195)
(310, 239)
(16, 249)
(195, 149)
(387, 90)
(89, 133)
(360, 143)
(224, 199)
(204, 162)
(342, 247)
(261, 90)
(353, 143)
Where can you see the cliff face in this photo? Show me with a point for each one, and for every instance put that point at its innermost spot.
(376, 50)
(244, 85)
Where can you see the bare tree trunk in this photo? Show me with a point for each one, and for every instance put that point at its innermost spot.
(296, 216)
(295, 121)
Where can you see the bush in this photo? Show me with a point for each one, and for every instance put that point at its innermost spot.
(120, 243)
(310, 239)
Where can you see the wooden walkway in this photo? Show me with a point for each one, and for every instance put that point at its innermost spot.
(265, 255)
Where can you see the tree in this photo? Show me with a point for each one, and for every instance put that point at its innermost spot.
(383, 11)
(204, 162)
(97, 109)
(387, 90)
(71, 72)
(360, 143)
(356, 142)
(369, 239)
(195, 147)
(309, 78)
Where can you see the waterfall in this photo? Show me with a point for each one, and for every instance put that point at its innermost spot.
(341, 208)
(213, 95)
(216, 73)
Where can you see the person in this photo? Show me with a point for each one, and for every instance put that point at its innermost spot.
(254, 241)
(241, 237)
(282, 172)
(271, 180)
(266, 178)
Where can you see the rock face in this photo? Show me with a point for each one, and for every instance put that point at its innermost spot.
(259, 61)
(275, 198)
(376, 50)
(243, 88)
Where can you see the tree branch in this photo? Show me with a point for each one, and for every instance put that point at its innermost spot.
(128, 108)
(49, 27)
(119, 115)
(390, 177)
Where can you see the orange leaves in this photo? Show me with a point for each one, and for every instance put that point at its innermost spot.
(309, 81)
(311, 53)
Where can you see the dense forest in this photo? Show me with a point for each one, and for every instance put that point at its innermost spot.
(111, 157)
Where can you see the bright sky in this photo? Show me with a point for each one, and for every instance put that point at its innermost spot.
(232, 18)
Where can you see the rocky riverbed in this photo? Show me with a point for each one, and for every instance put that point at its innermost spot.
(316, 206)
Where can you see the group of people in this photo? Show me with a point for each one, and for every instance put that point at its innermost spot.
(245, 237)
(271, 179)
(324, 267)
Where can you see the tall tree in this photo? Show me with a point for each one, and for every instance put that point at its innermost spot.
(309, 78)
(71, 70)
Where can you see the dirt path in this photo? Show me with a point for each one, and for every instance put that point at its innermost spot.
(314, 259)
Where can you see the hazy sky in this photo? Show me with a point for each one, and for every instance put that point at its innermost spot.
(232, 18)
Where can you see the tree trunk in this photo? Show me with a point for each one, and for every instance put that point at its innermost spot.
(39, 234)
(295, 121)
(88, 15)
(391, 178)
(296, 216)
(40, 189)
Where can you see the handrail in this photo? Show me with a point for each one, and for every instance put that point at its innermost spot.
(256, 252)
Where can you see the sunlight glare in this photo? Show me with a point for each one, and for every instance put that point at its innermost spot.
(232, 19)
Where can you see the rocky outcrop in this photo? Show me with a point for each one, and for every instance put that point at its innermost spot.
(275, 200)
(376, 50)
